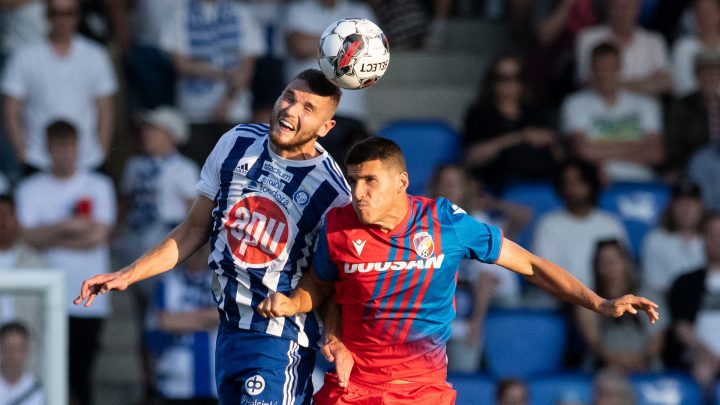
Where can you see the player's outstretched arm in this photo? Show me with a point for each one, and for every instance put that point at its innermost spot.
(565, 286)
(309, 294)
(180, 244)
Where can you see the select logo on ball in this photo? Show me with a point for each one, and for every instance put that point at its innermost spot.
(257, 230)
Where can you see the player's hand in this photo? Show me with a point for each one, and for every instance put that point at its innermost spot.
(277, 305)
(629, 303)
(336, 352)
(101, 284)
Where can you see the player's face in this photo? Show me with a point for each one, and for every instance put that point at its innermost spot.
(378, 190)
(299, 117)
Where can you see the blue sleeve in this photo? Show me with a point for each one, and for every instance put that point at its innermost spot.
(323, 267)
(479, 240)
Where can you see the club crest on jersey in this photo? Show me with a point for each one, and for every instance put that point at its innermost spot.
(301, 197)
(257, 230)
(423, 243)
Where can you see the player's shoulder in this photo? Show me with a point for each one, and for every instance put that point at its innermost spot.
(250, 130)
(340, 218)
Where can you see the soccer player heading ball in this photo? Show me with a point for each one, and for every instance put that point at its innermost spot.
(391, 261)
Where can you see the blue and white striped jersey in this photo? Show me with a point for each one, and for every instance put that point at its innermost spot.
(268, 211)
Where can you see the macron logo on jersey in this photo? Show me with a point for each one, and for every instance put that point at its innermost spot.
(358, 245)
(434, 262)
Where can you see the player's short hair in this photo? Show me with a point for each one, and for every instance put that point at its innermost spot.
(61, 130)
(604, 49)
(376, 148)
(320, 85)
(14, 327)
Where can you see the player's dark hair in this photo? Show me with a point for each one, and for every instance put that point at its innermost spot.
(588, 173)
(604, 49)
(376, 148)
(61, 130)
(320, 85)
(14, 327)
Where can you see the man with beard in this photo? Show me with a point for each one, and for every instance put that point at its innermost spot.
(263, 192)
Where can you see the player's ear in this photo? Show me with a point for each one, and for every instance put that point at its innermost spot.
(404, 181)
(325, 128)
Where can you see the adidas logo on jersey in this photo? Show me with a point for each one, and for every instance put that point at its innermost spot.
(242, 169)
(433, 262)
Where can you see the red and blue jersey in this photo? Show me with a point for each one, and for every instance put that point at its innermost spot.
(397, 288)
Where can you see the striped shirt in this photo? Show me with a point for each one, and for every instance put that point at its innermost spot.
(268, 211)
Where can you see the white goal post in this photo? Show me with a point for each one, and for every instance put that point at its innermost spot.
(50, 284)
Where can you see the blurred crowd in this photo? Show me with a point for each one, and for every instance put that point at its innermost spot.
(111, 106)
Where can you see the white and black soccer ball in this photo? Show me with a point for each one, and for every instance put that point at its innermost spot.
(353, 53)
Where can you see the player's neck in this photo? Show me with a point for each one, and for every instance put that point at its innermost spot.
(303, 152)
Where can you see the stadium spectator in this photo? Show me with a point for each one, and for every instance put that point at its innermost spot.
(645, 66)
(397, 350)
(183, 331)
(413, 24)
(611, 387)
(479, 285)
(68, 214)
(706, 14)
(694, 120)
(213, 44)
(506, 138)
(512, 391)
(612, 127)
(695, 316)
(676, 245)
(557, 24)
(17, 385)
(157, 187)
(626, 344)
(64, 77)
(568, 236)
(704, 170)
(305, 22)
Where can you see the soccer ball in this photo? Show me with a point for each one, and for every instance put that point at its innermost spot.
(353, 53)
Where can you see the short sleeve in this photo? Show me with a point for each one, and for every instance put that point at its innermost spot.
(209, 182)
(572, 115)
(104, 198)
(13, 83)
(26, 204)
(652, 119)
(190, 177)
(480, 241)
(323, 267)
(106, 81)
(128, 176)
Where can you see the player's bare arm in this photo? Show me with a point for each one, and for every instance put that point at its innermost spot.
(180, 244)
(309, 295)
(565, 286)
(333, 348)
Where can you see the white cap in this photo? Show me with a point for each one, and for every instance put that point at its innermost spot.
(170, 120)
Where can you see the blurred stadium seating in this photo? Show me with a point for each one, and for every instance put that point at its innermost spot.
(426, 144)
(523, 342)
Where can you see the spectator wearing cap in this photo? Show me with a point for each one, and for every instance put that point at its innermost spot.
(706, 16)
(694, 120)
(157, 185)
(676, 245)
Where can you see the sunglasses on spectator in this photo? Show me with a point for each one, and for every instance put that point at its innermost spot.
(59, 12)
